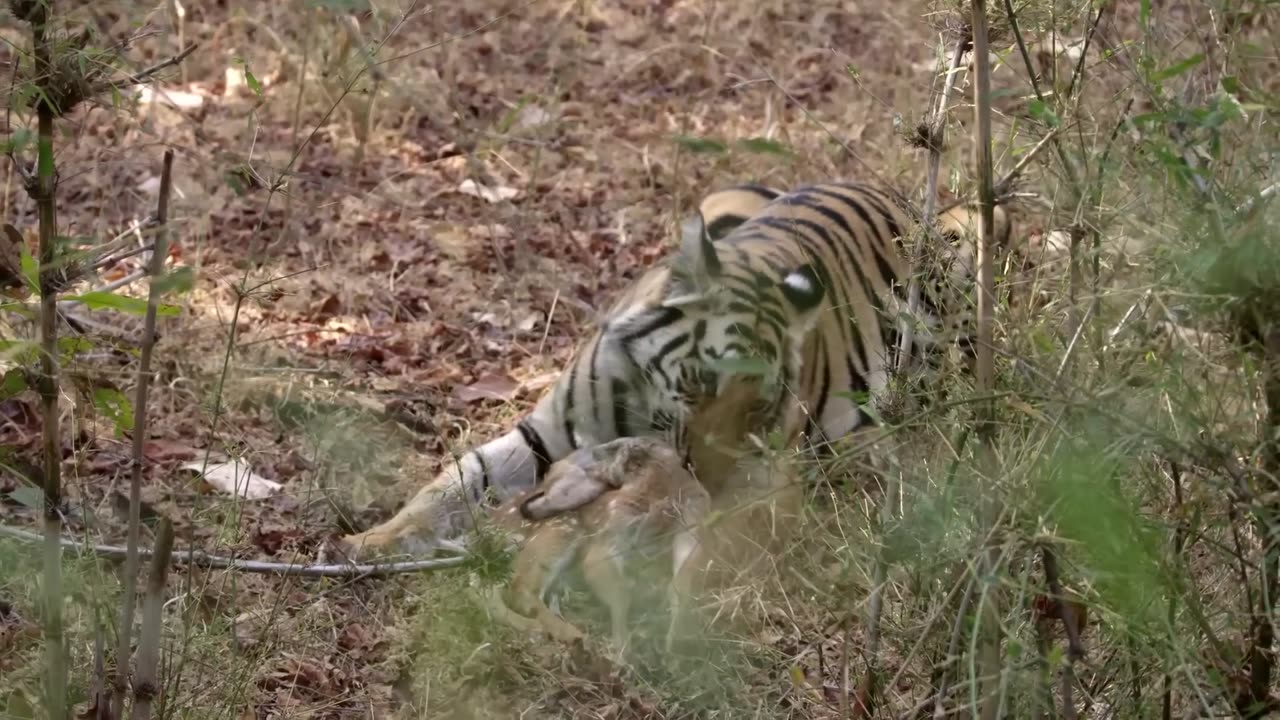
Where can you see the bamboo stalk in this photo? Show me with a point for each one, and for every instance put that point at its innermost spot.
(146, 686)
(127, 603)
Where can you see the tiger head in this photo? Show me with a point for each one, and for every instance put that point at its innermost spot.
(712, 321)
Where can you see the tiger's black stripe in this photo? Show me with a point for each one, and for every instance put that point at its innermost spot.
(539, 449)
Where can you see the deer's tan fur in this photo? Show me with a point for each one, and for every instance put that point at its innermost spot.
(598, 502)
(594, 508)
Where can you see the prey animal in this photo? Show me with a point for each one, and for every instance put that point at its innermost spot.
(600, 507)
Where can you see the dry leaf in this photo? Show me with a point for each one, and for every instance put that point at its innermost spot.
(450, 240)
(151, 186)
(488, 194)
(234, 81)
(174, 98)
(529, 322)
(248, 629)
(159, 450)
(534, 384)
(235, 478)
(532, 116)
(488, 387)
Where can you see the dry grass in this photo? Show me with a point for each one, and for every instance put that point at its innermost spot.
(386, 305)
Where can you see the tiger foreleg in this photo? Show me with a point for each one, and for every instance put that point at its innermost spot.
(440, 513)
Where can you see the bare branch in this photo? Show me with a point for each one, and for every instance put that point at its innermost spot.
(217, 562)
(1068, 618)
(987, 661)
(146, 75)
(937, 139)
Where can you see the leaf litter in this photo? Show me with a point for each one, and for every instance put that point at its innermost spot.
(376, 278)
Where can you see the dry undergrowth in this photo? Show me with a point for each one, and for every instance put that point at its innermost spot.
(397, 315)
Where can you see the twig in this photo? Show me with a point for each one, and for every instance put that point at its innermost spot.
(1179, 540)
(953, 649)
(1266, 192)
(1044, 704)
(865, 707)
(1067, 166)
(1071, 346)
(146, 75)
(1006, 182)
(1068, 617)
(118, 283)
(101, 702)
(987, 660)
(1005, 186)
(146, 685)
(201, 559)
(129, 598)
(937, 139)
(122, 256)
(1254, 699)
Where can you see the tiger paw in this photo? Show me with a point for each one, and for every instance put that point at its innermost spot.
(380, 542)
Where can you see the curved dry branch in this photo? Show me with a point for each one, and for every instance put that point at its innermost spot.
(200, 558)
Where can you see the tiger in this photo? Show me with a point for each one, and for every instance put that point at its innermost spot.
(805, 287)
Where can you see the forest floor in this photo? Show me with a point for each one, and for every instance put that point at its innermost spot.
(409, 291)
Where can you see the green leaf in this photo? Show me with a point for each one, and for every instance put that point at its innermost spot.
(19, 140)
(19, 351)
(21, 309)
(96, 300)
(857, 397)
(30, 270)
(741, 366)
(1080, 487)
(28, 496)
(72, 344)
(509, 119)
(1042, 112)
(764, 146)
(178, 280)
(852, 71)
(115, 405)
(250, 78)
(234, 181)
(701, 145)
(341, 6)
(13, 382)
(1177, 68)
(1144, 13)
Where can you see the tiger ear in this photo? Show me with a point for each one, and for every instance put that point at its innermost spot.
(697, 251)
(695, 266)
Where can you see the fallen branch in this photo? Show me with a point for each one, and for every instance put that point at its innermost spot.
(202, 559)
